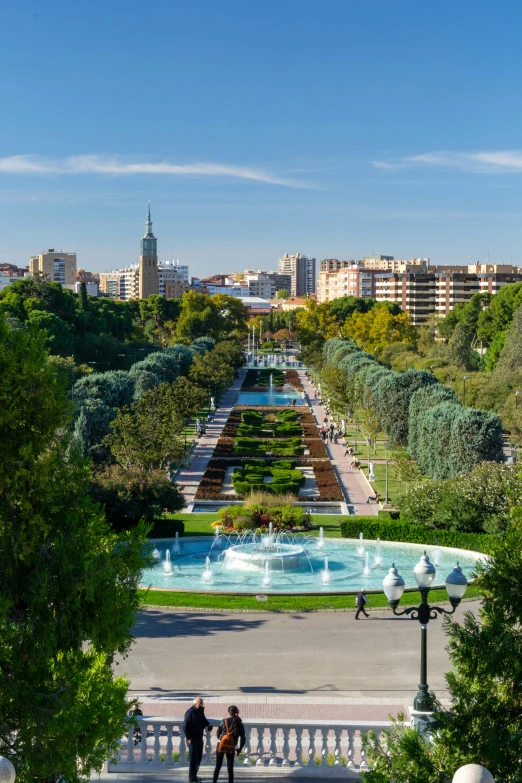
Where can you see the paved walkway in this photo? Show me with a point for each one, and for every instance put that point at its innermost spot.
(188, 478)
(352, 480)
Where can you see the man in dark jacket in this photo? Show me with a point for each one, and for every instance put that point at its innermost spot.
(360, 602)
(231, 725)
(194, 725)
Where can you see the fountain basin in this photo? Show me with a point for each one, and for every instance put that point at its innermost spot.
(279, 557)
(345, 564)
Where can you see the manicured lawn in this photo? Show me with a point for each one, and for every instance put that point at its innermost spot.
(200, 524)
(284, 603)
(394, 487)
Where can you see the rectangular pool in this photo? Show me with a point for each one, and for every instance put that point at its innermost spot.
(269, 398)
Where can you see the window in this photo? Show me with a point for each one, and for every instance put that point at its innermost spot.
(59, 270)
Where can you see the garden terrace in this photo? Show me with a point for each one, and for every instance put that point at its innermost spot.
(260, 379)
(253, 474)
(327, 486)
(259, 427)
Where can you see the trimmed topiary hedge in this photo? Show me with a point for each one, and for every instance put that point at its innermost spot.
(252, 475)
(373, 528)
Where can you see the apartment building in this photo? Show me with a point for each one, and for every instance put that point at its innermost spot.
(436, 291)
(351, 281)
(55, 265)
(301, 271)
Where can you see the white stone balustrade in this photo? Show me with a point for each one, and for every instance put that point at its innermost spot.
(303, 748)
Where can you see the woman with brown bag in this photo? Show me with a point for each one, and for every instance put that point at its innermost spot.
(230, 730)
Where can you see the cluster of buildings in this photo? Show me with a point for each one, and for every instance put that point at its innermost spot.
(416, 285)
(422, 289)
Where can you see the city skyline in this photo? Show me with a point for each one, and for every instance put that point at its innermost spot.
(259, 130)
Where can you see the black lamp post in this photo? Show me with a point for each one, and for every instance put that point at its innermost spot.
(393, 585)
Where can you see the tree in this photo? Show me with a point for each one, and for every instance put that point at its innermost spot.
(511, 356)
(146, 434)
(68, 585)
(283, 293)
(459, 351)
(484, 723)
(212, 372)
(114, 388)
(187, 399)
(57, 333)
(393, 395)
(198, 317)
(130, 495)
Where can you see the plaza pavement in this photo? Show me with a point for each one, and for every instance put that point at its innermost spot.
(273, 664)
(355, 486)
(188, 478)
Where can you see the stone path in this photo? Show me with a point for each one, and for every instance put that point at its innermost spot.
(188, 478)
(355, 486)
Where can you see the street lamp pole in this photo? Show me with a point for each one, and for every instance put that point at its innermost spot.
(424, 572)
(386, 501)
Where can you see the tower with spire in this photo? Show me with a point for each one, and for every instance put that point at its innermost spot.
(148, 273)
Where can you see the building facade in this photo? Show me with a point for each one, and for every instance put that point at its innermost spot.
(301, 271)
(57, 266)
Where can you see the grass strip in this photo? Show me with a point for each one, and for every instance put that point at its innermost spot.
(285, 603)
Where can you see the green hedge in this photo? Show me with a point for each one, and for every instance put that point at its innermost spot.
(373, 528)
(167, 528)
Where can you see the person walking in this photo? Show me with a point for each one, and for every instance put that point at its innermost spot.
(360, 602)
(194, 725)
(230, 730)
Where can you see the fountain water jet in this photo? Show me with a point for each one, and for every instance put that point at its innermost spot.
(175, 545)
(325, 573)
(167, 565)
(378, 558)
(266, 580)
(360, 548)
(366, 569)
(435, 556)
(156, 554)
(207, 573)
(320, 543)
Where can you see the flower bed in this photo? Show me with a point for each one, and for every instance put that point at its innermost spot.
(224, 447)
(328, 488)
(315, 448)
(256, 517)
(212, 480)
(258, 424)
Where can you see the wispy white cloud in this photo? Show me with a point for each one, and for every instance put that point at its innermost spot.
(496, 162)
(115, 166)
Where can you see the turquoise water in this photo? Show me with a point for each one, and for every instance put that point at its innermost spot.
(269, 398)
(346, 566)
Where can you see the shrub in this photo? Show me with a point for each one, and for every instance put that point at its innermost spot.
(414, 534)
(250, 476)
(259, 515)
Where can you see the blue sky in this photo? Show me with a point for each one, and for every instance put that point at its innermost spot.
(259, 127)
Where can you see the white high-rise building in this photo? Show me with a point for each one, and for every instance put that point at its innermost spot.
(302, 273)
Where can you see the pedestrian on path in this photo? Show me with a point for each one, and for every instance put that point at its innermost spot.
(194, 725)
(330, 435)
(230, 730)
(360, 602)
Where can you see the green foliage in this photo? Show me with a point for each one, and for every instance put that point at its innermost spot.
(130, 495)
(393, 394)
(511, 355)
(146, 434)
(244, 446)
(68, 584)
(420, 435)
(481, 500)
(259, 516)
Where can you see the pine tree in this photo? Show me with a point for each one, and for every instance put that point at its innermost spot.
(511, 356)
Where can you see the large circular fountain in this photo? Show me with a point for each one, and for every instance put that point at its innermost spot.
(273, 563)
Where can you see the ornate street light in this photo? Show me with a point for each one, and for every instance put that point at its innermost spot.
(424, 572)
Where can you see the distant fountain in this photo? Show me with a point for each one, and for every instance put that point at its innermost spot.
(325, 573)
(271, 381)
(156, 554)
(320, 543)
(266, 580)
(175, 545)
(216, 530)
(435, 556)
(366, 569)
(207, 573)
(360, 548)
(378, 558)
(167, 565)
